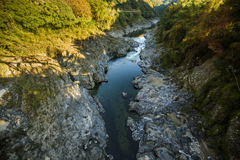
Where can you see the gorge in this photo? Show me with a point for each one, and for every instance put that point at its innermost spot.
(90, 79)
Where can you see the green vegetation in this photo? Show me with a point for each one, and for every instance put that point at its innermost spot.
(218, 101)
(30, 27)
(31, 16)
(161, 5)
(201, 28)
(197, 30)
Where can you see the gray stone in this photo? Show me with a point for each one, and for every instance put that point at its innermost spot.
(131, 123)
(165, 130)
(163, 154)
(100, 106)
(185, 140)
(195, 157)
(64, 127)
(124, 94)
(146, 156)
(181, 131)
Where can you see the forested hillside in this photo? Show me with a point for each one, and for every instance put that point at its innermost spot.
(202, 31)
(30, 27)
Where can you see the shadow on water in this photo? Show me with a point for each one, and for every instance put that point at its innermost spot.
(120, 75)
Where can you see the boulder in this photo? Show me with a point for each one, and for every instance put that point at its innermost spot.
(124, 94)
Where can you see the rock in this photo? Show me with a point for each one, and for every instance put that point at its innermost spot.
(131, 123)
(185, 140)
(175, 98)
(195, 157)
(130, 29)
(2, 92)
(124, 94)
(100, 106)
(47, 158)
(110, 157)
(146, 156)
(233, 137)
(163, 153)
(64, 127)
(3, 125)
(135, 107)
(90, 65)
(181, 131)
(162, 128)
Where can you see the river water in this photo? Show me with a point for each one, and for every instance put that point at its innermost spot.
(120, 75)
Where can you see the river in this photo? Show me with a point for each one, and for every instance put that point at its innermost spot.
(120, 75)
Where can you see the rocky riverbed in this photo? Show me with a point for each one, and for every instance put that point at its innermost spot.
(46, 112)
(164, 130)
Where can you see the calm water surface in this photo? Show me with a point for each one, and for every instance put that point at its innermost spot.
(120, 75)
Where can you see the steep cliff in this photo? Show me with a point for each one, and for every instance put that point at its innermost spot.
(63, 124)
(202, 48)
(44, 114)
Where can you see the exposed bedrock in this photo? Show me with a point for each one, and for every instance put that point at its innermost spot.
(165, 129)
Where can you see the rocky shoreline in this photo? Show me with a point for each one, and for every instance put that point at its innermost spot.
(96, 52)
(164, 130)
(46, 112)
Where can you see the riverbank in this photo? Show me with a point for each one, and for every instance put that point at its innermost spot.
(164, 130)
(44, 113)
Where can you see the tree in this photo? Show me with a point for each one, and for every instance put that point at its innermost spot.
(81, 8)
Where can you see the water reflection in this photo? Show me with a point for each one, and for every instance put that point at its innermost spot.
(120, 75)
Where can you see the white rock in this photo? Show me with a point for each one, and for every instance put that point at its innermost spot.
(47, 158)
(3, 125)
(124, 94)
(2, 91)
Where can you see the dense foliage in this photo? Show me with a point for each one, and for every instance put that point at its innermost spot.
(28, 15)
(198, 28)
(30, 26)
(195, 31)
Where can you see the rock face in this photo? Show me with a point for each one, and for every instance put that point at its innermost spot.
(196, 78)
(221, 129)
(66, 127)
(135, 27)
(163, 130)
(90, 65)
